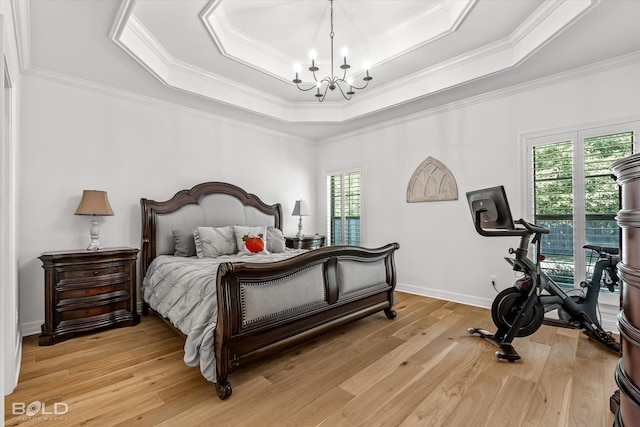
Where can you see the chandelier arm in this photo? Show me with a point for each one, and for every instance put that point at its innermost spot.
(324, 94)
(305, 90)
(360, 88)
(348, 98)
(344, 76)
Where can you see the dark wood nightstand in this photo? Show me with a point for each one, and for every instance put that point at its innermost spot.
(85, 290)
(314, 241)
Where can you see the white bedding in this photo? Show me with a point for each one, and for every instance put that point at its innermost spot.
(183, 290)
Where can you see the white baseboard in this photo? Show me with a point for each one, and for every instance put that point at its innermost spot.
(31, 328)
(608, 312)
(444, 295)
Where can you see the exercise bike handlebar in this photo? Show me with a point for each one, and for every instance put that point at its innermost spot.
(532, 227)
(603, 249)
(528, 229)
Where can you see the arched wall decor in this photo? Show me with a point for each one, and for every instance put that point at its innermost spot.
(432, 181)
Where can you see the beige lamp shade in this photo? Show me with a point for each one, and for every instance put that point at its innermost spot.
(94, 202)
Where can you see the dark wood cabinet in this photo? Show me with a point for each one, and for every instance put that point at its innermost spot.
(314, 241)
(86, 290)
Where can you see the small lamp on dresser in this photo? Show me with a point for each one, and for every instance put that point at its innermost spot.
(300, 209)
(94, 203)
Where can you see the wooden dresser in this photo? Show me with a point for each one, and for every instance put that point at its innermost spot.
(86, 290)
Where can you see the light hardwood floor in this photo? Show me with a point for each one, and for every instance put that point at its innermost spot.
(420, 369)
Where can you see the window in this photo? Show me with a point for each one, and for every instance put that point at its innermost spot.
(343, 207)
(573, 194)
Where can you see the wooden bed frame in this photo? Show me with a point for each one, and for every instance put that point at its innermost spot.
(237, 342)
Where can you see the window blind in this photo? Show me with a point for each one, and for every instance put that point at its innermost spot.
(561, 170)
(344, 198)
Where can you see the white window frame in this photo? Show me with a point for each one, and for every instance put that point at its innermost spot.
(341, 171)
(577, 136)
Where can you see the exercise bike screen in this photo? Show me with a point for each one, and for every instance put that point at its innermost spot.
(494, 202)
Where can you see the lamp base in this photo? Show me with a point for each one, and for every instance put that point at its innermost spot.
(94, 246)
(299, 234)
(94, 232)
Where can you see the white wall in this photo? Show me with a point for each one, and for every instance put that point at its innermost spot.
(75, 138)
(10, 337)
(440, 253)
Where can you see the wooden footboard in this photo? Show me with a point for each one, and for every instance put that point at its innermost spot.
(263, 308)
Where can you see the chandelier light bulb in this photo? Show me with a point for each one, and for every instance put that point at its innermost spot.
(313, 54)
(297, 67)
(344, 51)
(366, 65)
(350, 81)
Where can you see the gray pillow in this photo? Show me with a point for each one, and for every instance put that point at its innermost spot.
(275, 240)
(211, 242)
(184, 243)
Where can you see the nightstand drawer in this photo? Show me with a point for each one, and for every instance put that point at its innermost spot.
(86, 273)
(77, 311)
(85, 282)
(83, 290)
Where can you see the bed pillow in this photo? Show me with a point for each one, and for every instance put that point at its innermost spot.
(184, 243)
(275, 240)
(212, 242)
(251, 240)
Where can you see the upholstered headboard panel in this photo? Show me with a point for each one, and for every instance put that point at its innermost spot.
(212, 204)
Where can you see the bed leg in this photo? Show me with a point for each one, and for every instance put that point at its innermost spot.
(145, 308)
(391, 314)
(223, 388)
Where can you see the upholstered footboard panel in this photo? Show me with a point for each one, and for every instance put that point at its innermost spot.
(263, 308)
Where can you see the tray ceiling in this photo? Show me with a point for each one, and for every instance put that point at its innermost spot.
(236, 58)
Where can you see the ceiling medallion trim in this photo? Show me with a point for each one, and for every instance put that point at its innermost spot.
(239, 47)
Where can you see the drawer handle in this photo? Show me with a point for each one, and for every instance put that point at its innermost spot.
(95, 273)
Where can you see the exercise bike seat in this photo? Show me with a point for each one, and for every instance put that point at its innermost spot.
(602, 249)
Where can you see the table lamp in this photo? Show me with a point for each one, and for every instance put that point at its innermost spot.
(94, 203)
(300, 209)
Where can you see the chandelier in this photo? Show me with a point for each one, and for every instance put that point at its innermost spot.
(333, 81)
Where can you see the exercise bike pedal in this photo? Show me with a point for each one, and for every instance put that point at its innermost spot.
(506, 352)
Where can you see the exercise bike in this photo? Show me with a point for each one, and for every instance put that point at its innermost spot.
(519, 311)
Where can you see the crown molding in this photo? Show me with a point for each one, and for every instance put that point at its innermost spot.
(44, 74)
(236, 45)
(22, 23)
(611, 64)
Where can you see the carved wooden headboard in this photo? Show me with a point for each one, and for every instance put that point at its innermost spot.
(211, 204)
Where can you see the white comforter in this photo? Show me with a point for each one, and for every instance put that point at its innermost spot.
(183, 290)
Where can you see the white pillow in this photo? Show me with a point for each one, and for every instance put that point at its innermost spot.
(275, 240)
(211, 242)
(246, 235)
